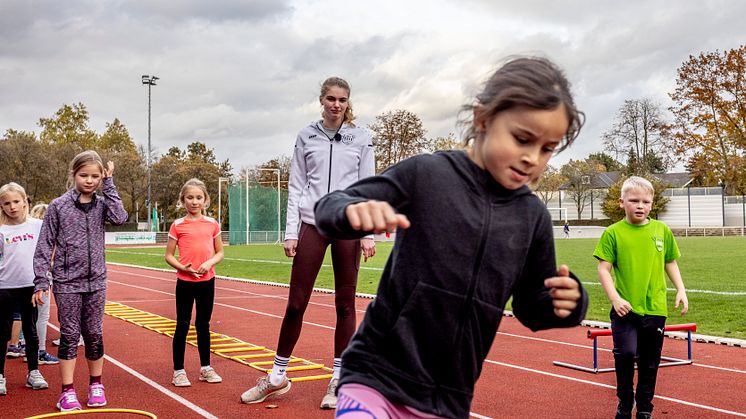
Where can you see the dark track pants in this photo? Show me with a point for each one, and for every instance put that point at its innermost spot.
(306, 265)
(637, 339)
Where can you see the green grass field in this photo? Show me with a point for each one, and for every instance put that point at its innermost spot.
(712, 267)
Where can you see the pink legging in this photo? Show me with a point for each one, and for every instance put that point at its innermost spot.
(306, 264)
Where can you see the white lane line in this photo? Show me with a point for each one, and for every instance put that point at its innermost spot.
(363, 311)
(579, 380)
(204, 413)
(279, 297)
(222, 305)
(556, 342)
(274, 262)
(690, 290)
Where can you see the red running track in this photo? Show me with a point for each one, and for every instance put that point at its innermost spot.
(518, 379)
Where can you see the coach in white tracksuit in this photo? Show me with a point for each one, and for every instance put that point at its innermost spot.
(330, 154)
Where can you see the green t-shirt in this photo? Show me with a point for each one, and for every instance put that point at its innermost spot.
(638, 254)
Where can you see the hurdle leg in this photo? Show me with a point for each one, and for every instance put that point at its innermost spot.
(595, 353)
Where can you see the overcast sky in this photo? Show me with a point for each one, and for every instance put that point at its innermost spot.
(244, 76)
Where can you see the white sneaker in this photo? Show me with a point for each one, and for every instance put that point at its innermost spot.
(3, 389)
(209, 375)
(36, 381)
(264, 389)
(330, 398)
(181, 380)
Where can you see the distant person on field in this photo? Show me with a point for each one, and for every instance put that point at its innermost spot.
(471, 236)
(640, 251)
(330, 154)
(71, 251)
(200, 245)
(566, 229)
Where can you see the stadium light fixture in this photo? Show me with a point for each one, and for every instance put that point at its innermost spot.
(149, 81)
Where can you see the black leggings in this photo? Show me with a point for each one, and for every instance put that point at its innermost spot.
(9, 297)
(202, 295)
(306, 264)
(637, 339)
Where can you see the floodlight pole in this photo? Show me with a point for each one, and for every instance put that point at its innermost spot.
(149, 81)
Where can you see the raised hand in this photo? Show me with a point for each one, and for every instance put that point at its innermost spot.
(109, 169)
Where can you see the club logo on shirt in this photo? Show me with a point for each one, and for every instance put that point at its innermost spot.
(658, 243)
(347, 139)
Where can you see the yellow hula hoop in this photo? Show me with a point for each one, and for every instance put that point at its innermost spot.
(83, 412)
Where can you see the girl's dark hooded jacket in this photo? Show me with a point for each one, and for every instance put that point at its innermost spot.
(471, 246)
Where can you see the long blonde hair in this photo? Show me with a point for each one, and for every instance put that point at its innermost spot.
(13, 187)
(341, 83)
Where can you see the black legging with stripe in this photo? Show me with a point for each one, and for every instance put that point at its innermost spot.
(202, 295)
(306, 264)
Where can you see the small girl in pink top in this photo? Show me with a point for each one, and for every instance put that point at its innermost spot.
(200, 249)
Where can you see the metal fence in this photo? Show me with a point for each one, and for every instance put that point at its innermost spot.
(687, 207)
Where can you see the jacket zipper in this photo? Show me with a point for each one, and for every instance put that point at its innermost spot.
(88, 235)
(329, 180)
(475, 273)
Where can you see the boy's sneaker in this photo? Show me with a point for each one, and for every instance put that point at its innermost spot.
(45, 358)
(3, 389)
(96, 395)
(644, 415)
(181, 380)
(264, 389)
(624, 410)
(330, 398)
(36, 381)
(209, 375)
(15, 351)
(68, 401)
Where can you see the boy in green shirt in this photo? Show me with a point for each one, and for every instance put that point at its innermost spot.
(640, 251)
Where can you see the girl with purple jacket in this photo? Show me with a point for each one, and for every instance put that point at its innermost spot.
(73, 233)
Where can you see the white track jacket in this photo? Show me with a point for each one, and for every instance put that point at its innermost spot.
(321, 165)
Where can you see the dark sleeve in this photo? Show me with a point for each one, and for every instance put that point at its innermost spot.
(532, 303)
(395, 186)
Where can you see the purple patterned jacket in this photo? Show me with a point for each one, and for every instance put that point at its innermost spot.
(77, 238)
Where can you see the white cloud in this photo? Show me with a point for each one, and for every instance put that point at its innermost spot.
(243, 76)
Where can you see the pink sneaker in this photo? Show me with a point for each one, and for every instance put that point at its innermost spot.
(68, 401)
(96, 396)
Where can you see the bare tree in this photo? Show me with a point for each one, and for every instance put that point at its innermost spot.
(579, 186)
(639, 135)
(397, 134)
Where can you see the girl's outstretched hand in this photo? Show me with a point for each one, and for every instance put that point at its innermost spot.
(565, 292)
(376, 216)
(109, 169)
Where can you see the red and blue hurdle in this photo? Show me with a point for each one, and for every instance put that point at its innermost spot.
(665, 361)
